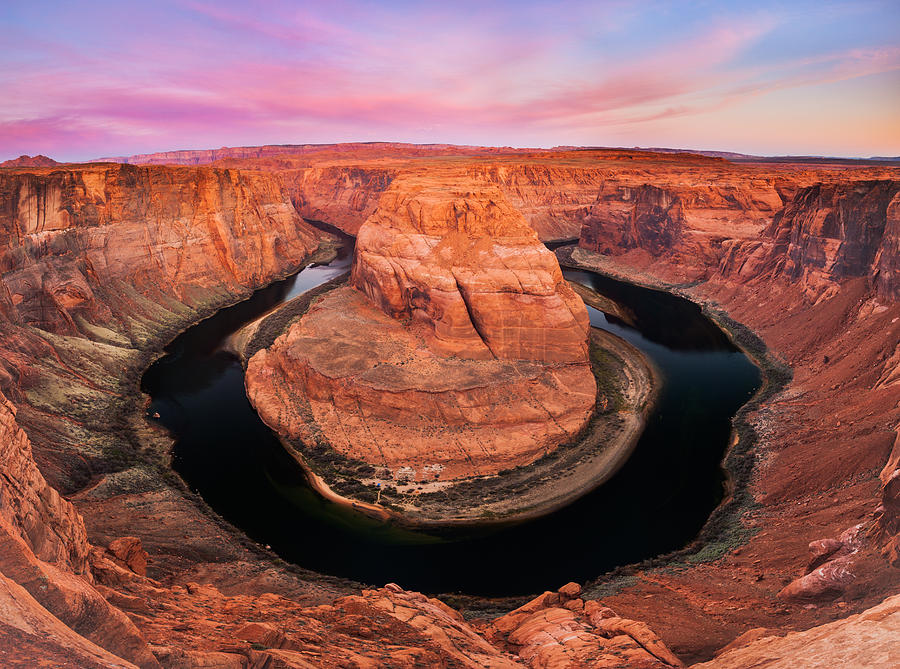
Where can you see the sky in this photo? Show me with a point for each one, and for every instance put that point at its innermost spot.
(81, 80)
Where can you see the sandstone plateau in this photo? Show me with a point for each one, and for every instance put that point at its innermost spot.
(107, 560)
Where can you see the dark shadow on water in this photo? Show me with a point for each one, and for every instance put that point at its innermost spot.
(656, 503)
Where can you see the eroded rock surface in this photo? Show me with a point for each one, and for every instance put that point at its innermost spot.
(459, 350)
(560, 629)
(377, 392)
(466, 265)
(867, 639)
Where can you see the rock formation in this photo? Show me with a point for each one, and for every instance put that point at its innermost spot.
(458, 351)
(867, 639)
(560, 629)
(467, 266)
(98, 265)
(828, 233)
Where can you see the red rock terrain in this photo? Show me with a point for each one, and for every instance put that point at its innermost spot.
(102, 264)
(458, 350)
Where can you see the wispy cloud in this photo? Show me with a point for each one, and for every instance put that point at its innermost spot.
(186, 72)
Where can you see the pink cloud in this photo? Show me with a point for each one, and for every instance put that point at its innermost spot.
(231, 74)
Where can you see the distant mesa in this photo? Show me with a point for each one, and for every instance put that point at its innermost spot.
(29, 161)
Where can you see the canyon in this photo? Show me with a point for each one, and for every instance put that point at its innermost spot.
(108, 559)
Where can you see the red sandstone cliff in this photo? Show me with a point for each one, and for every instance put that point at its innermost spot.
(812, 286)
(75, 242)
(121, 257)
(97, 264)
(838, 231)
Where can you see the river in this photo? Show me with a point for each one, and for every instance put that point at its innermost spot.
(656, 503)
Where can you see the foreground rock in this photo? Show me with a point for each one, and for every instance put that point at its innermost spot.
(867, 639)
(560, 629)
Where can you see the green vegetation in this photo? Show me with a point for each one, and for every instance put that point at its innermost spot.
(607, 369)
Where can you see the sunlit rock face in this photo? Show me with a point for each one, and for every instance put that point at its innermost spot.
(468, 266)
(78, 246)
(99, 262)
(456, 350)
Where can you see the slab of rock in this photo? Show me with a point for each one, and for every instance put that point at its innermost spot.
(544, 634)
(466, 264)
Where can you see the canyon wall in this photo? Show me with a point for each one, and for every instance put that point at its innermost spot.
(340, 196)
(828, 233)
(614, 201)
(100, 265)
(817, 286)
(557, 195)
(75, 242)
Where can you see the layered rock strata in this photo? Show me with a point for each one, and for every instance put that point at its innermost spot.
(457, 351)
(812, 286)
(828, 233)
(100, 262)
(99, 266)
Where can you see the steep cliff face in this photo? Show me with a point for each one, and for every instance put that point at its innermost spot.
(75, 243)
(340, 196)
(603, 195)
(97, 264)
(825, 234)
(44, 551)
(811, 284)
(32, 511)
(685, 219)
(887, 259)
(552, 198)
(467, 265)
(837, 231)
(459, 351)
(646, 217)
